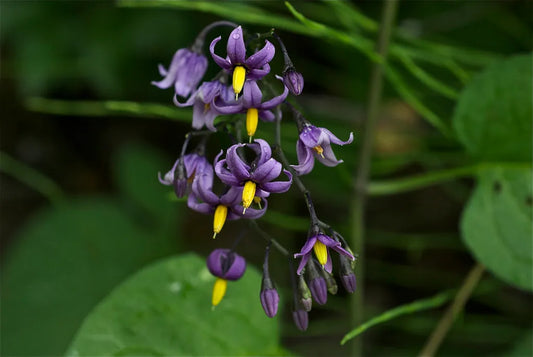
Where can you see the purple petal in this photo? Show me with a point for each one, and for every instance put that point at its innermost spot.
(224, 174)
(329, 158)
(261, 57)
(306, 160)
(192, 99)
(224, 63)
(336, 140)
(203, 187)
(236, 269)
(269, 104)
(301, 319)
(262, 150)
(266, 115)
(308, 246)
(312, 136)
(190, 74)
(204, 208)
(256, 73)
(319, 290)
(269, 300)
(209, 90)
(227, 109)
(253, 213)
(238, 168)
(162, 71)
(267, 171)
(252, 95)
(177, 61)
(278, 186)
(232, 197)
(236, 49)
(303, 262)
(328, 266)
(294, 81)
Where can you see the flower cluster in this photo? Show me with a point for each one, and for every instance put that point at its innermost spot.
(239, 181)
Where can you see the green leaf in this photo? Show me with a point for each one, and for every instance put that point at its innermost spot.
(493, 115)
(523, 347)
(165, 310)
(496, 224)
(62, 263)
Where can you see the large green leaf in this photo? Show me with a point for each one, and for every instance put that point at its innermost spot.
(497, 225)
(63, 262)
(165, 310)
(493, 116)
(522, 347)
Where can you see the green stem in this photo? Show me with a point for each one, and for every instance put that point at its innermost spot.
(438, 335)
(32, 178)
(357, 205)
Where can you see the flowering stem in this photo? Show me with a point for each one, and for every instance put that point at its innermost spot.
(200, 39)
(269, 239)
(286, 58)
(357, 206)
(437, 336)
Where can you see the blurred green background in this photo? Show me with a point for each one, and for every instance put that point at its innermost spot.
(99, 215)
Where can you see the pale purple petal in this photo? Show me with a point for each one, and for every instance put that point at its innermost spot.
(267, 171)
(224, 63)
(266, 115)
(261, 57)
(177, 62)
(312, 136)
(227, 109)
(204, 208)
(202, 187)
(192, 99)
(224, 174)
(336, 140)
(236, 49)
(306, 160)
(256, 73)
(278, 186)
(329, 158)
(328, 266)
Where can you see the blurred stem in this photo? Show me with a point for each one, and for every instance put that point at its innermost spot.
(32, 178)
(357, 205)
(438, 335)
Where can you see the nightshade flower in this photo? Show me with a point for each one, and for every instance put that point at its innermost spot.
(293, 80)
(185, 72)
(320, 244)
(225, 265)
(250, 103)
(253, 68)
(184, 172)
(204, 112)
(225, 207)
(314, 143)
(255, 178)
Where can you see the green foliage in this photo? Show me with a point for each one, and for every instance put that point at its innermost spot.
(493, 115)
(68, 257)
(164, 310)
(523, 347)
(496, 224)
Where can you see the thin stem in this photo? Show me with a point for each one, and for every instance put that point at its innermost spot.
(286, 58)
(269, 239)
(357, 206)
(32, 178)
(200, 39)
(438, 335)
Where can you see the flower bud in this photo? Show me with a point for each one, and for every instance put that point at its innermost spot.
(270, 301)
(301, 319)
(319, 290)
(180, 179)
(347, 274)
(226, 264)
(293, 80)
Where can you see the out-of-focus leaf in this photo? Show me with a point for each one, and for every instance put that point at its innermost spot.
(62, 263)
(493, 116)
(164, 310)
(523, 347)
(496, 224)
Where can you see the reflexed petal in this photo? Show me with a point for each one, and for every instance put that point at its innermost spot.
(232, 197)
(224, 63)
(192, 99)
(224, 174)
(312, 136)
(267, 171)
(262, 149)
(177, 61)
(343, 251)
(236, 49)
(278, 186)
(267, 115)
(238, 168)
(255, 74)
(236, 269)
(167, 181)
(303, 262)
(190, 74)
(327, 241)
(336, 140)
(307, 248)
(261, 57)
(252, 95)
(269, 104)
(203, 188)
(306, 160)
(198, 115)
(204, 208)
(209, 90)
(328, 266)
(162, 71)
(329, 158)
(228, 109)
(253, 213)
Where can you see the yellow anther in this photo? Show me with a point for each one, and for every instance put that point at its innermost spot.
(248, 194)
(207, 106)
(319, 150)
(239, 75)
(251, 122)
(257, 201)
(219, 290)
(221, 212)
(321, 252)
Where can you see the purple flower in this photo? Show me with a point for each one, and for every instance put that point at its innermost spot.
(316, 143)
(185, 72)
(301, 319)
(251, 104)
(225, 207)
(320, 244)
(254, 67)
(256, 178)
(293, 80)
(226, 264)
(348, 281)
(269, 301)
(319, 290)
(204, 111)
(184, 172)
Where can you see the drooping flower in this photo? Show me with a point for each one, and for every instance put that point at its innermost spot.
(293, 80)
(315, 142)
(320, 244)
(250, 103)
(224, 207)
(255, 178)
(185, 72)
(202, 100)
(225, 265)
(242, 68)
(185, 170)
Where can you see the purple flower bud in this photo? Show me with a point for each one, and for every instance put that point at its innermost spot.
(226, 264)
(301, 319)
(185, 72)
(293, 80)
(270, 301)
(348, 281)
(319, 290)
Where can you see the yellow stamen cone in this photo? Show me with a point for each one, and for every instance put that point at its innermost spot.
(239, 75)
(221, 212)
(257, 201)
(319, 150)
(321, 252)
(219, 290)
(251, 122)
(248, 194)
